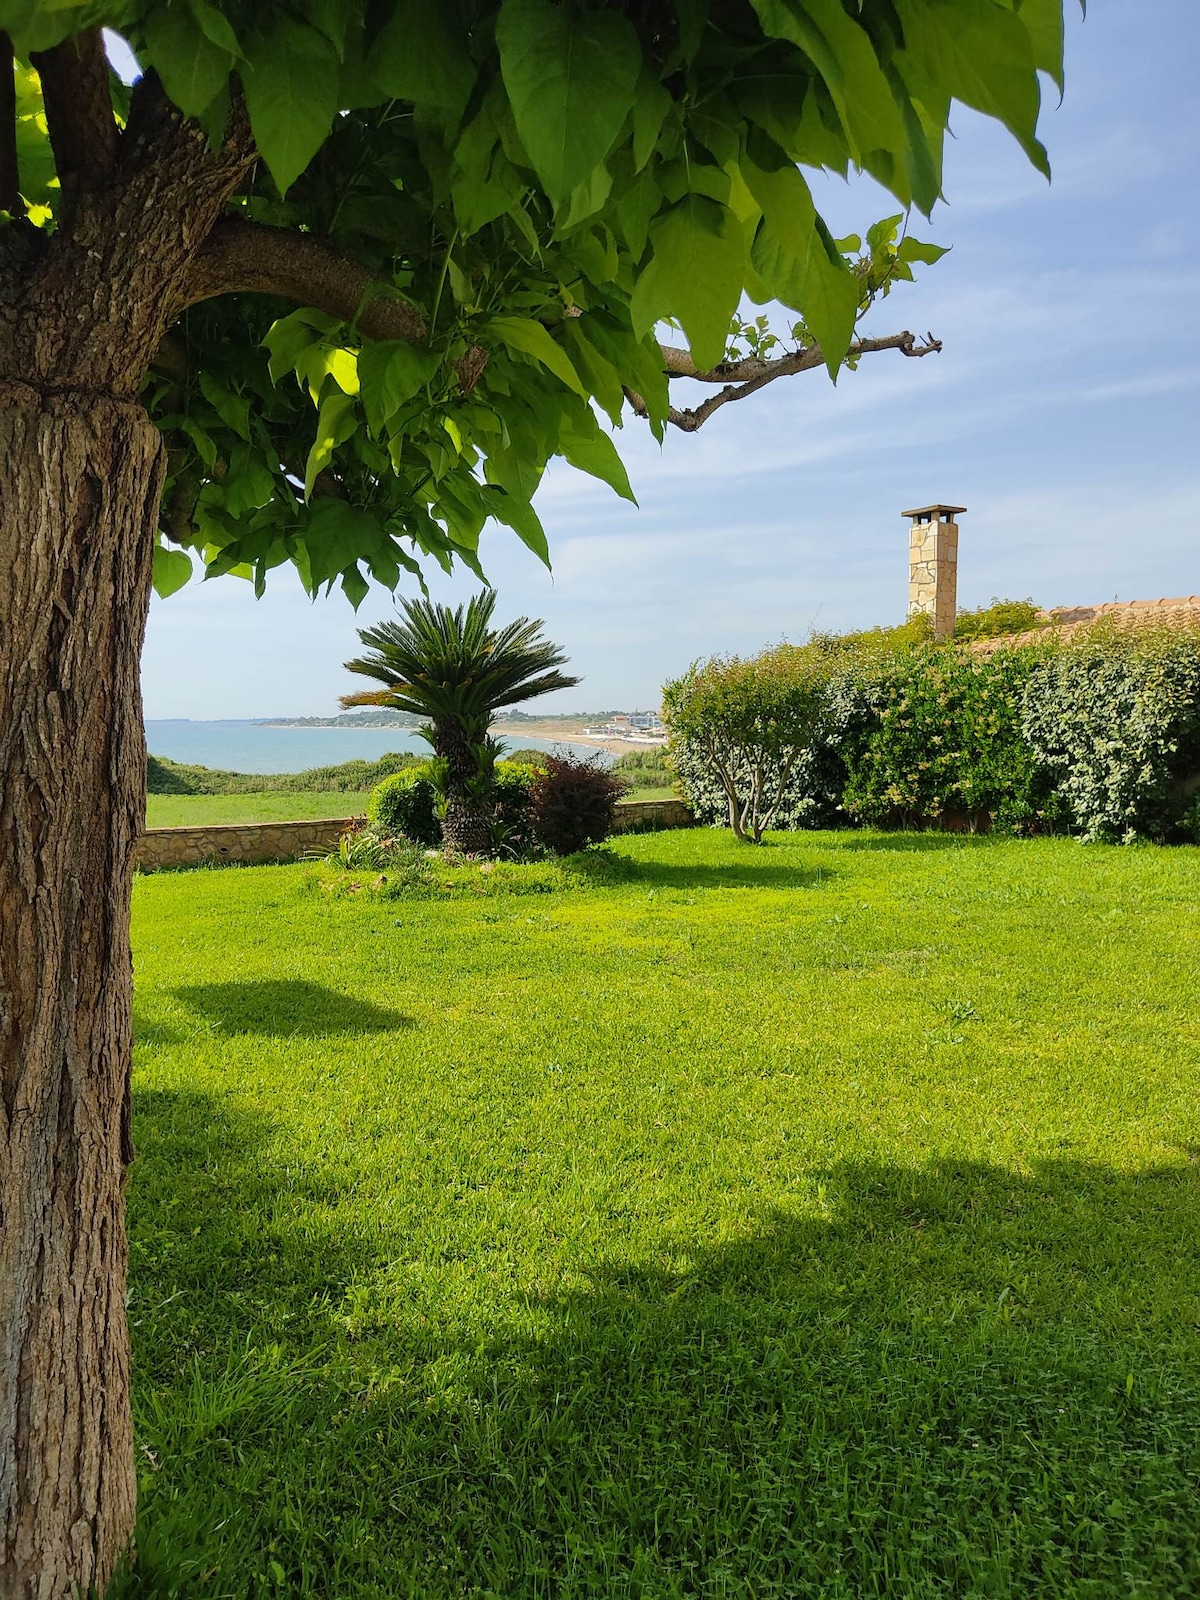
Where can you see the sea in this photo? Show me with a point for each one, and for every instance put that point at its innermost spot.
(243, 746)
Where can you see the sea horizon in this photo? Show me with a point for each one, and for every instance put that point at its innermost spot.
(254, 745)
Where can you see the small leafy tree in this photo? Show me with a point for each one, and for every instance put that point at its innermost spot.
(751, 720)
(454, 668)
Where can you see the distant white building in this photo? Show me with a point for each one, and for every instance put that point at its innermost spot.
(638, 727)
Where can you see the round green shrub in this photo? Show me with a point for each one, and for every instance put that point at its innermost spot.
(406, 805)
(513, 806)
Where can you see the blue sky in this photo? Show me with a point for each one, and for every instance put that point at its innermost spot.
(1064, 413)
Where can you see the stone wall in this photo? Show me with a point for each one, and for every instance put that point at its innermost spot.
(250, 844)
(246, 843)
(648, 816)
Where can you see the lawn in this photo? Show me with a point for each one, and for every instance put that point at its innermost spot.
(201, 810)
(812, 1221)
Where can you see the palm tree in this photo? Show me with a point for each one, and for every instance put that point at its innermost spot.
(455, 669)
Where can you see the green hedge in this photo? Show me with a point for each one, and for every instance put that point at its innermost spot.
(943, 744)
(1116, 719)
(1099, 736)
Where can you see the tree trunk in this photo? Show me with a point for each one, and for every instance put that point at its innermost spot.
(466, 822)
(80, 480)
(466, 826)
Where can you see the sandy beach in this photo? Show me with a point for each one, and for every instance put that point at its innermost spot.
(549, 728)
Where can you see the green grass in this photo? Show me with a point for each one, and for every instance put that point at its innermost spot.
(816, 1221)
(660, 792)
(199, 810)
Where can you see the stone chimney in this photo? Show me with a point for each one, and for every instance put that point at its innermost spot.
(933, 565)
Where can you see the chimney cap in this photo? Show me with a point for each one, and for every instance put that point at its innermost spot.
(924, 511)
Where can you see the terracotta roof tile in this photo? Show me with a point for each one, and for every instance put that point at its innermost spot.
(1060, 623)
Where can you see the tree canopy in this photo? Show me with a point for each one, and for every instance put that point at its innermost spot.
(455, 226)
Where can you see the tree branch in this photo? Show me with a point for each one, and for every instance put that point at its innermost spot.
(79, 111)
(10, 178)
(747, 377)
(250, 258)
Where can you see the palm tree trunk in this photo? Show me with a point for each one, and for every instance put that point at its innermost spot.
(466, 826)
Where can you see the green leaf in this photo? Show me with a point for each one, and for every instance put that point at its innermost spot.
(203, 440)
(782, 194)
(336, 535)
(637, 362)
(290, 338)
(520, 516)
(695, 273)
(389, 373)
(843, 54)
(354, 586)
(692, 16)
(193, 69)
(233, 409)
(818, 284)
(515, 469)
(38, 25)
(215, 27)
(291, 84)
(172, 569)
(913, 250)
(336, 422)
(650, 107)
(589, 198)
(422, 56)
(983, 54)
(571, 77)
(1044, 20)
(532, 339)
(484, 183)
(598, 374)
(248, 484)
(330, 17)
(587, 447)
(640, 202)
(883, 232)
(774, 97)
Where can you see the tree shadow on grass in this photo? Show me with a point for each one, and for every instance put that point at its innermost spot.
(951, 1379)
(913, 842)
(283, 1007)
(757, 867)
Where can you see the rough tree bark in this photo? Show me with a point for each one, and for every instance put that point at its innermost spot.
(80, 480)
(82, 312)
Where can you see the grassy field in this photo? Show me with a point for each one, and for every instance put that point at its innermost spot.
(815, 1221)
(197, 810)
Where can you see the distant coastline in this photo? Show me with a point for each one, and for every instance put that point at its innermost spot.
(575, 730)
(354, 719)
